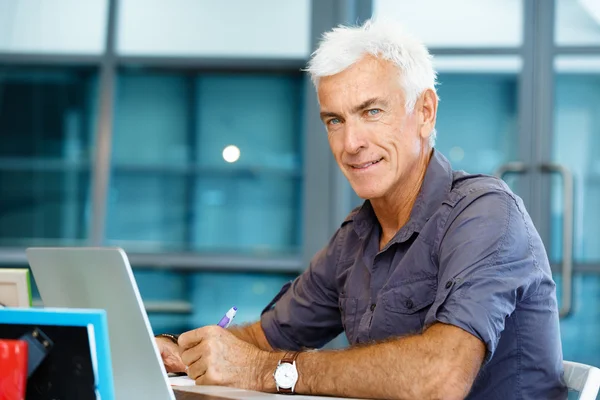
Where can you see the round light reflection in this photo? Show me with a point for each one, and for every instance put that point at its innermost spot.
(231, 153)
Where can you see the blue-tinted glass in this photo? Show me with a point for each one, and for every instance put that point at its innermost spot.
(46, 121)
(43, 207)
(213, 293)
(164, 286)
(147, 212)
(247, 212)
(173, 175)
(576, 145)
(580, 331)
(260, 115)
(46, 113)
(477, 120)
(152, 119)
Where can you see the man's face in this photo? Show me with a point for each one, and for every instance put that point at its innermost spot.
(375, 143)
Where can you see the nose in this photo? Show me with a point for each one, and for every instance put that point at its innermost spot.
(354, 139)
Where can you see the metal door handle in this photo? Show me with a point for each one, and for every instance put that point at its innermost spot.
(567, 236)
(513, 167)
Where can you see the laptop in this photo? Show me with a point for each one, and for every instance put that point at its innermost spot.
(101, 278)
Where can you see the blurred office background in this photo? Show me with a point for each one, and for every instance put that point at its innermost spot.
(185, 132)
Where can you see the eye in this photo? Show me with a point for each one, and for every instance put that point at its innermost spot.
(333, 121)
(373, 112)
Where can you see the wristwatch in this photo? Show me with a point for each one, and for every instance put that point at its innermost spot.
(172, 338)
(286, 373)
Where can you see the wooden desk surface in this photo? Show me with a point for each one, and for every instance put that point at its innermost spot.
(225, 393)
(181, 395)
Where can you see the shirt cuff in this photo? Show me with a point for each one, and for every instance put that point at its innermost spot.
(472, 318)
(274, 334)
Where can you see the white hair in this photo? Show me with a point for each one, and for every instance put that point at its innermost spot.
(382, 38)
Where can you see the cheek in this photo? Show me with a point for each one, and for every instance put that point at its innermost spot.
(407, 141)
(335, 144)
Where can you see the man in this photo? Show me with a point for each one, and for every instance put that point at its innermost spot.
(440, 280)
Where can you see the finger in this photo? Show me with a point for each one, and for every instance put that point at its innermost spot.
(174, 364)
(191, 355)
(192, 338)
(166, 348)
(202, 380)
(210, 378)
(197, 369)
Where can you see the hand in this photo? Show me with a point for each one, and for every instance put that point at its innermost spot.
(169, 353)
(214, 356)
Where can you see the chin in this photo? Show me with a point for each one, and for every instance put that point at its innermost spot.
(366, 193)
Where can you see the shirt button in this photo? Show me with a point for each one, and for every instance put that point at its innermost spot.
(448, 284)
(409, 304)
(373, 306)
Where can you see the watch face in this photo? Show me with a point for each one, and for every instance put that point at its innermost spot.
(286, 375)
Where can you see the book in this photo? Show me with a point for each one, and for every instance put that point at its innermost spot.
(15, 287)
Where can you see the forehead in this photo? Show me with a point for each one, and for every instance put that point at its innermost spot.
(366, 78)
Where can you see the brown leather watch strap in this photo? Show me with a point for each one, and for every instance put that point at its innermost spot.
(289, 358)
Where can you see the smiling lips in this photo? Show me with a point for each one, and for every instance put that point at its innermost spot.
(364, 166)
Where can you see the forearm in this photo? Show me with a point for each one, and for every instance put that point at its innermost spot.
(404, 368)
(252, 334)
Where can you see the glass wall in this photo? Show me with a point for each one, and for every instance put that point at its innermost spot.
(477, 113)
(206, 164)
(576, 145)
(204, 28)
(46, 125)
(487, 24)
(220, 166)
(576, 23)
(56, 27)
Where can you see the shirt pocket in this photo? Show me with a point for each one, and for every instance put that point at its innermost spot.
(348, 310)
(407, 304)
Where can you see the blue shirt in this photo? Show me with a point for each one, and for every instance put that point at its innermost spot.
(469, 256)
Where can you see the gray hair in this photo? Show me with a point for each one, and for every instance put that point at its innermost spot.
(345, 45)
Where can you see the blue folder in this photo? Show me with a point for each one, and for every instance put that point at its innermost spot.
(97, 328)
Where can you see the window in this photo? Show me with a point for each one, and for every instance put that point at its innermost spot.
(46, 122)
(577, 23)
(180, 189)
(205, 28)
(53, 27)
(483, 23)
(576, 143)
(477, 112)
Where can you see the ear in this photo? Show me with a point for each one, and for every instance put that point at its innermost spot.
(427, 111)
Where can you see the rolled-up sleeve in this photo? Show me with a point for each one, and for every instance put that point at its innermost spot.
(305, 314)
(486, 266)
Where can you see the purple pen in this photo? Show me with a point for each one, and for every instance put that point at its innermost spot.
(228, 317)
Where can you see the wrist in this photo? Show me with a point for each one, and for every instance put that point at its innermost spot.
(168, 336)
(266, 368)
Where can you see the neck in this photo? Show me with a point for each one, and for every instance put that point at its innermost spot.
(393, 210)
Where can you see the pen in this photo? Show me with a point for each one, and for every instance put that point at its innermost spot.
(228, 317)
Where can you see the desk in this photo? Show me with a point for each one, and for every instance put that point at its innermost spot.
(222, 393)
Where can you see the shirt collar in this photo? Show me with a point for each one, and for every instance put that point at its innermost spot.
(435, 188)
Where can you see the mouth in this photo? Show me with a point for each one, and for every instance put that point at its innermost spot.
(366, 165)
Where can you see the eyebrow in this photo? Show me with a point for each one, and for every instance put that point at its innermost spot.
(368, 103)
(365, 104)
